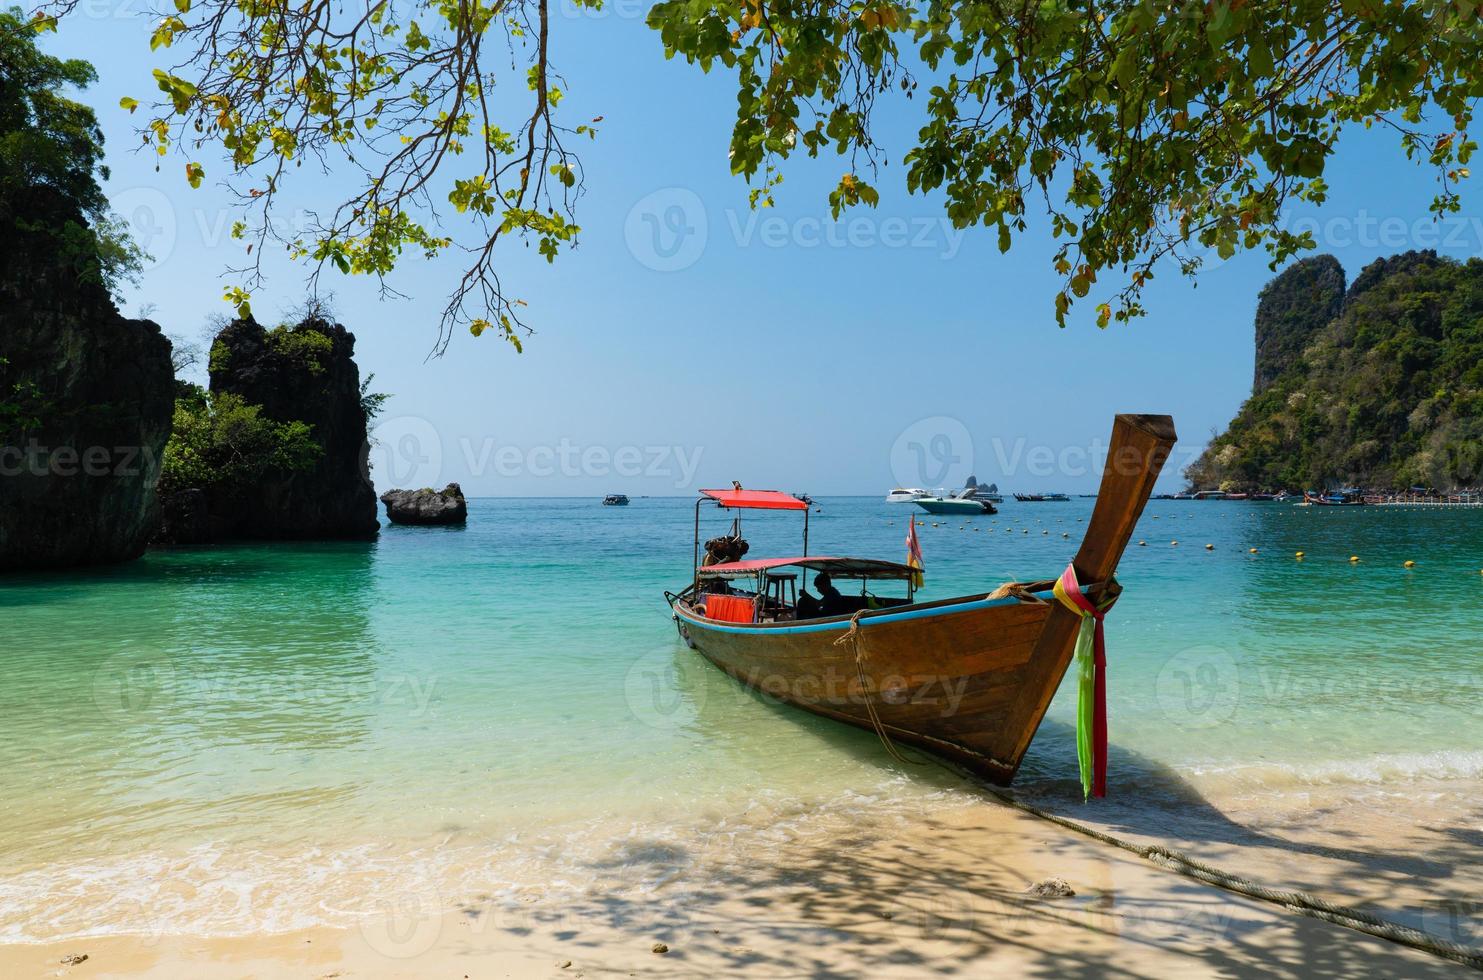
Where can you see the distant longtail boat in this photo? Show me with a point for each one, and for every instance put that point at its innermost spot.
(967, 678)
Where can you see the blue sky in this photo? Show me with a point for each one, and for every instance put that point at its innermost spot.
(689, 341)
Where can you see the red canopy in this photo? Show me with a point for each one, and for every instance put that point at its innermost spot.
(756, 499)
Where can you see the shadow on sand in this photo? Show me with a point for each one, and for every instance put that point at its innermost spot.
(950, 898)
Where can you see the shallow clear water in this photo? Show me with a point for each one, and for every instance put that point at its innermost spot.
(241, 738)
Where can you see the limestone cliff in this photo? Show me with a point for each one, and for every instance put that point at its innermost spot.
(85, 402)
(306, 373)
(1292, 308)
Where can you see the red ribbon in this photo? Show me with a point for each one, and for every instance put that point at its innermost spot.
(1099, 679)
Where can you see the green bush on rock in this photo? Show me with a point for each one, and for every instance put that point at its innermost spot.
(220, 441)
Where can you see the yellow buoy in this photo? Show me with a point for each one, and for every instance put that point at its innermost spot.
(1251, 551)
(1298, 555)
(1173, 542)
(1210, 547)
(1354, 557)
(1410, 564)
(1143, 544)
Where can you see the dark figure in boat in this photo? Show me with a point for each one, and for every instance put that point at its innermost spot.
(831, 602)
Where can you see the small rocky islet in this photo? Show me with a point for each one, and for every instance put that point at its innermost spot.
(427, 507)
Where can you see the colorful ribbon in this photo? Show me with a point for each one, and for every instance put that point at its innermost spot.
(1091, 701)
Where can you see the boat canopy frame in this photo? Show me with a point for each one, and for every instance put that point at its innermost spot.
(739, 499)
(852, 568)
(864, 569)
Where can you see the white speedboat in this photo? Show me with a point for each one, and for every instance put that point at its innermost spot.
(905, 495)
(955, 505)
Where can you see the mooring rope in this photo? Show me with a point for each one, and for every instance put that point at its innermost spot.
(852, 636)
(1294, 901)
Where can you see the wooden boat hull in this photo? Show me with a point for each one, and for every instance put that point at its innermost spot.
(943, 677)
(967, 678)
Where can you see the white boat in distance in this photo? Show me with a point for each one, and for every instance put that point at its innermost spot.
(972, 490)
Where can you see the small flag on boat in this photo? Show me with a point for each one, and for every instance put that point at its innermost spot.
(914, 552)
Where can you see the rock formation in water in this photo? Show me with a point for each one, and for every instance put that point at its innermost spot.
(304, 373)
(185, 518)
(1292, 308)
(426, 506)
(85, 402)
(1387, 393)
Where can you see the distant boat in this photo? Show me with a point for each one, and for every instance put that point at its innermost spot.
(615, 500)
(955, 505)
(1183, 496)
(1339, 498)
(865, 657)
(903, 495)
(1238, 496)
(1041, 498)
(1210, 495)
(971, 500)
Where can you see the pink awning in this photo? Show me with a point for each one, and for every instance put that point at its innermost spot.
(757, 565)
(756, 499)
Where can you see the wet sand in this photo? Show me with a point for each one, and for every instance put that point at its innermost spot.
(947, 896)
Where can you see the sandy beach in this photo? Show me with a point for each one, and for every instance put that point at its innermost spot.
(948, 896)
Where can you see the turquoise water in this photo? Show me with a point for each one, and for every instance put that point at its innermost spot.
(221, 741)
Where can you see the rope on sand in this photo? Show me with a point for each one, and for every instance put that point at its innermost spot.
(1294, 901)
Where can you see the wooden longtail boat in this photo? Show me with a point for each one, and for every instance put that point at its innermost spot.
(967, 678)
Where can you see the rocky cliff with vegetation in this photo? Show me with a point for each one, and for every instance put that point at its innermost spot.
(85, 398)
(1291, 310)
(1381, 389)
(85, 394)
(88, 399)
(277, 448)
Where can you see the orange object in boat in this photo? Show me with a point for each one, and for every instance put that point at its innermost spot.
(730, 608)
